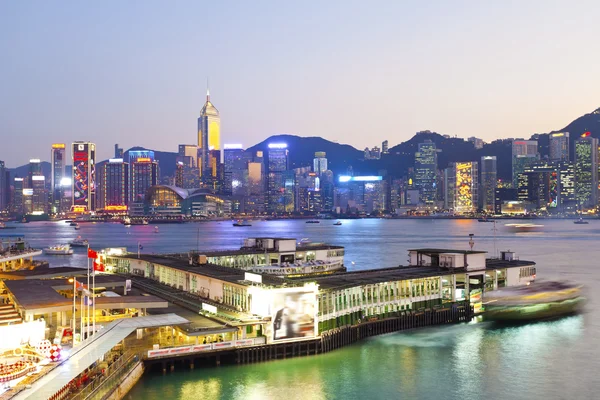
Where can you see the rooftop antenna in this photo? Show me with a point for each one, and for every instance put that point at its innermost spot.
(471, 242)
(207, 90)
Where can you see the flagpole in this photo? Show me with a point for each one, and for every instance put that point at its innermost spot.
(81, 318)
(87, 306)
(94, 302)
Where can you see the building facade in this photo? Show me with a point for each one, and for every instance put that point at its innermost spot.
(425, 172)
(277, 165)
(83, 186)
(524, 154)
(144, 173)
(115, 185)
(559, 146)
(488, 183)
(57, 161)
(320, 163)
(586, 171)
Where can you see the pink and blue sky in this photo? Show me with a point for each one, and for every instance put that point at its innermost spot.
(134, 72)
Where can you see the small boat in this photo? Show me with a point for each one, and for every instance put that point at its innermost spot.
(59, 250)
(156, 229)
(73, 223)
(534, 301)
(126, 221)
(338, 223)
(79, 242)
(313, 221)
(485, 220)
(3, 226)
(525, 227)
(581, 221)
(242, 223)
(144, 222)
(76, 226)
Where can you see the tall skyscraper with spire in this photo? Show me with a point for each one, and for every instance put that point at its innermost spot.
(209, 132)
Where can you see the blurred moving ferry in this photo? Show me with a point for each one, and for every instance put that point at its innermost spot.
(536, 300)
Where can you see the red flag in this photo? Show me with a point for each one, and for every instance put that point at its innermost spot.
(98, 266)
(92, 253)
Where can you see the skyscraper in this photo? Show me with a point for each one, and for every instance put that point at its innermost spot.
(144, 173)
(84, 176)
(524, 154)
(209, 136)
(384, 147)
(586, 171)
(488, 183)
(115, 185)
(235, 165)
(320, 163)
(567, 201)
(425, 171)
(57, 159)
(277, 164)
(17, 205)
(559, 146)
(465, 187)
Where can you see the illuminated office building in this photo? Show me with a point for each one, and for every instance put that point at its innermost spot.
(144, 173)
(188, 154)
(235, 162)
(559, 146)
(539, 186)
(83, 185)
(209, 136)
(57, 161)
(255, 200)
(179, 174)
(17, 203)
(320, 163)
(39, 199)
(277, 165)
(586, 171)
(567, 201)
(115, 185)
(524, 155)
(361, 194)
(464, 187)
(385, 147)
(488, 183)
(425, 172)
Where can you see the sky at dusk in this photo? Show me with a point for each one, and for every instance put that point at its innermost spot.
(356, 72)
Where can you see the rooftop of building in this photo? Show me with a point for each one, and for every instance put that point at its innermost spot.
(42, 272)
(344, 280)
(37, 294)
(447, 251)
(210, 270)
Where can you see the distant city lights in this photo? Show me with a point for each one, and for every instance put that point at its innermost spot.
(278, 145)
(233, 146)
(115, 160)
(365, 178)
(66, 182)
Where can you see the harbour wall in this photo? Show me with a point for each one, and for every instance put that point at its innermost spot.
(330, 340)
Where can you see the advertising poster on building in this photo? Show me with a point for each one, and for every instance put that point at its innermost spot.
(80, 175)
(293, 315)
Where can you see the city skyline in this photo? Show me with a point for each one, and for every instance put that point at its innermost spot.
(421, 69)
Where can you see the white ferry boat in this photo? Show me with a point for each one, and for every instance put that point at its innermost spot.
(60, 250)
(79, 242)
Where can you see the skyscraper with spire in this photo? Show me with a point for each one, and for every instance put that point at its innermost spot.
(209, 133)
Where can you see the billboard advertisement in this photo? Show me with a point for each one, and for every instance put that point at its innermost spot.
(293, 314)
(81, 178)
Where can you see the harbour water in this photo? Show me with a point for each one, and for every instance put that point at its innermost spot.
(557, 359)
